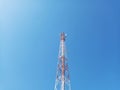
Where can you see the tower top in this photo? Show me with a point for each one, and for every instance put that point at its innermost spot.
(63, 36)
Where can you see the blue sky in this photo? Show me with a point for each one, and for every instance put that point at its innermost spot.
(29, 42)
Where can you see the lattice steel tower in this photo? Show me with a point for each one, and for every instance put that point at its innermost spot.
(62, 76)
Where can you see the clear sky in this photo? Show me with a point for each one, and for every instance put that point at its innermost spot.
(29, 42)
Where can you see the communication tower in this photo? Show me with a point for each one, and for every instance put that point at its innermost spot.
(62, 76)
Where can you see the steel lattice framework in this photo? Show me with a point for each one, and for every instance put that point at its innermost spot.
(62, 76)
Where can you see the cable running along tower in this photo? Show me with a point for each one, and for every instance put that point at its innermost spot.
(62, 76)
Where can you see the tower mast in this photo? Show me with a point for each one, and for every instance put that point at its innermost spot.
(63, 61)
(62, 77)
